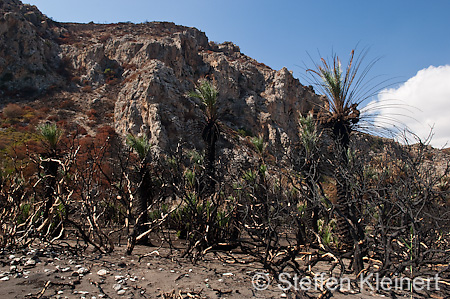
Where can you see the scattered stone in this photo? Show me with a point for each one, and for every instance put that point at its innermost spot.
(67, 269)
(227, 274)
(121, 292)
(13, 268)
(30, 263)
(60, 292)
(6, 278)
(12, 256)
(102, 272)
(119, 277)
(82, 271)
(116, 287)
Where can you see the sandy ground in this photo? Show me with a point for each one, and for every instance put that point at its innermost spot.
(149, 272)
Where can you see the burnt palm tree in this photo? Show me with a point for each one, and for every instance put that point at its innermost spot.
(208, 94)
(51, 136)
(344, 90)
(142, 147)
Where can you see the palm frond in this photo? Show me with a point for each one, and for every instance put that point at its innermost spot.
(140, 145)
(207, 94)
(50, 133)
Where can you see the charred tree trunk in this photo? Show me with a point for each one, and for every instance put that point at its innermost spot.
(143, 194)
(50, 171)
(210, 135)
(142, 203)
(348, 225)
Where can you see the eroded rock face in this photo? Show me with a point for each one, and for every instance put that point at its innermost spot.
(147, 70)
(252, 96)
(28, 54)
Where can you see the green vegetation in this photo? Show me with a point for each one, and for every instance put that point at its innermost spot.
(51, 135)
(140, 145)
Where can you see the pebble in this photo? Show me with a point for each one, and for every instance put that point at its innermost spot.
(82, 270)
(117, 287)
(102, 272)
(227, 274)
(119, 277)
(6, 278)
(30, 263)
(12, 256)
(67, 269)
(121, 292)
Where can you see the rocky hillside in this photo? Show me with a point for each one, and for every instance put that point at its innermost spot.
(136, 76)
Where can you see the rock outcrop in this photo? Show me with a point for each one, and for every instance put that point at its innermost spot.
(29, 60)
(146, 70)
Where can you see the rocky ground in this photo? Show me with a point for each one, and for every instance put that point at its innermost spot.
(150, 272)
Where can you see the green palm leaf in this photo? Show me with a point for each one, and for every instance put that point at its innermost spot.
(50, 133)
(140, 145)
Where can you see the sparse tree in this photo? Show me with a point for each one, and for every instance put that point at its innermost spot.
(142, 147)
(344, 90)
(208, 95)
(51, 136)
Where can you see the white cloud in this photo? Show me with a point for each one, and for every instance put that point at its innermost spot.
(424, 102)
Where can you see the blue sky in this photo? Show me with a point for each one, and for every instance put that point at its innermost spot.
(409, 36)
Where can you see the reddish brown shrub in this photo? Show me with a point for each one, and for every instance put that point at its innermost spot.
(13, 111)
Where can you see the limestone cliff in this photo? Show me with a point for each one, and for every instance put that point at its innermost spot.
(145, 71)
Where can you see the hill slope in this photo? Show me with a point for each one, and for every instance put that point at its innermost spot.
(135, 77)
